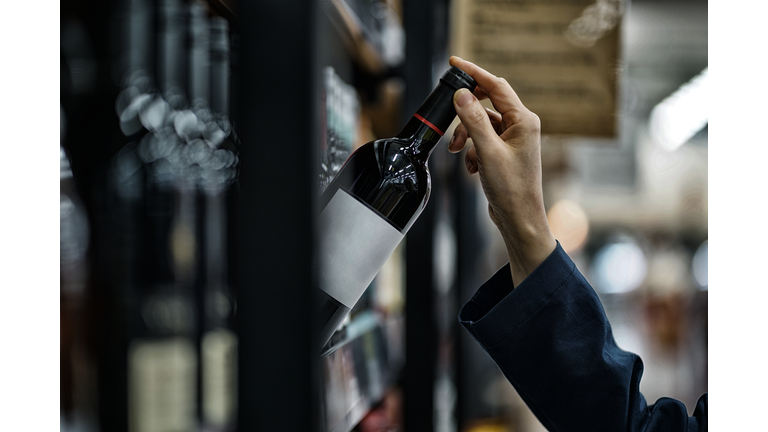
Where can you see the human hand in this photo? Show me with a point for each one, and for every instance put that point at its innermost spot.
(507, 155)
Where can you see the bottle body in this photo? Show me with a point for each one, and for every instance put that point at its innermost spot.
(367, 210)
(373, 201)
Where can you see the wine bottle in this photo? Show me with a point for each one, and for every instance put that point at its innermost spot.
(218, 336)
(375, 198)
(152, 243)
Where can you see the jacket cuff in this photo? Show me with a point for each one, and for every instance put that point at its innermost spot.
(498, 305)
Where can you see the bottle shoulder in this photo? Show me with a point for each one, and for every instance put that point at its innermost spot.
(393, 154)
(383, 175)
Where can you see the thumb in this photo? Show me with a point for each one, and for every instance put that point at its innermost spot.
(473, 116)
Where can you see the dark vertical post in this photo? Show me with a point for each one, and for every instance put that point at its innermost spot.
(470, 359)
(466, 246)
(421, 327)
(275, 233)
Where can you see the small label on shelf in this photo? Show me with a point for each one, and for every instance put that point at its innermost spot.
(162, 385)
(219, 358)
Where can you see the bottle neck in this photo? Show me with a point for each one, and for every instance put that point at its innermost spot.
(430, 121)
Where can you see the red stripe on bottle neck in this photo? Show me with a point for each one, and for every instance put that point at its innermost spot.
(426, 122)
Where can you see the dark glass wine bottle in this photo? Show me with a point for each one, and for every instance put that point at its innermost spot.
(218, 337)
(375, 198)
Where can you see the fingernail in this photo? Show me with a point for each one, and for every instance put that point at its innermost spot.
(463, 97)
(453, 138)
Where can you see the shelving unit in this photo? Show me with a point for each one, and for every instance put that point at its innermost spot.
(279, 371)
(370, 358)
(279, 361)
(284, 381)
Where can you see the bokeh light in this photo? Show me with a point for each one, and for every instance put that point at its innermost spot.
(700, 266)
(619, 267)
(681, 115)
(668, 270)
(569, 224)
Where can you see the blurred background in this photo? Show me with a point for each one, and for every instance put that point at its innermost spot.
(196, 136)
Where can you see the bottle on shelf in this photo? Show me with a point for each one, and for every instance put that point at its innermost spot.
(76, 365)
(342, 109)
(218, 337)
(167, 213)
(148, 361)
(375, 198)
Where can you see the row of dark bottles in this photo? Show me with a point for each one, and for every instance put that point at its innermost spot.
(145, 272)
(340, 128)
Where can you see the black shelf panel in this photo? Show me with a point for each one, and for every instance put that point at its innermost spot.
(276, 238)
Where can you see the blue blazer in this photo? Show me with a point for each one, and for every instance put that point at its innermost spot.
(551, 339)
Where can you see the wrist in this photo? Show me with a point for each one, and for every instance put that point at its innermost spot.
(528, 244)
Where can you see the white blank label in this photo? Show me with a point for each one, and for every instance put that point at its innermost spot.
(355, 244)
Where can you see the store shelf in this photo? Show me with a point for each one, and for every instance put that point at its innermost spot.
(264, 372)
(363, 32)
(359, 369)
(224, 8)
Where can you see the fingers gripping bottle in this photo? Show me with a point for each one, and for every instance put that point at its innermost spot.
(375, 198)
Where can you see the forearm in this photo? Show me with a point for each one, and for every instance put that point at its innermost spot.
(526, 233)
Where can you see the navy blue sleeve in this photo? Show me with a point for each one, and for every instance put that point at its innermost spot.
(551, 339)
